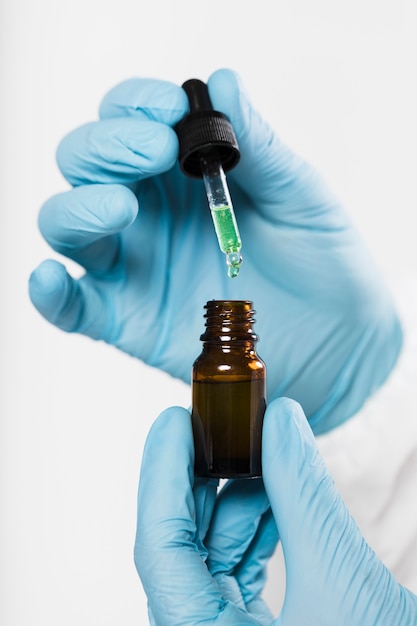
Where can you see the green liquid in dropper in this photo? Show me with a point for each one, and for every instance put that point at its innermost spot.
(226, 229)
(228, 236)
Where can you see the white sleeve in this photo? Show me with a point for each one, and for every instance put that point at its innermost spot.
(373, 460)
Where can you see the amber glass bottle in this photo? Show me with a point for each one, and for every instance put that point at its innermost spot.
(228, 393)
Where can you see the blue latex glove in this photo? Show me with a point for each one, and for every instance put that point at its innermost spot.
(332, 576)
(329, 333)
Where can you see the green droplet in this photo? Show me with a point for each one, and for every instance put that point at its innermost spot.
(233, 271)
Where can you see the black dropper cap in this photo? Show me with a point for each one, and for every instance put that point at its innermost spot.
(204, 131)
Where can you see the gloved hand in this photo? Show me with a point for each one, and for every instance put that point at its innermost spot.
(329, 333)
(202, 561)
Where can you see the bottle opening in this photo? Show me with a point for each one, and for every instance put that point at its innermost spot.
(229, 320)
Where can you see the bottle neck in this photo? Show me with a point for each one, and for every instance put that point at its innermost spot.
(229, 323)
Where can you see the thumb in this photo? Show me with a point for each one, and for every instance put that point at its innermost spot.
(295, 476)
(333, 576)
(283, 187)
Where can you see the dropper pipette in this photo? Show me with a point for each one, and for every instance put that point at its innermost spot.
(221, 208)
(208, 148)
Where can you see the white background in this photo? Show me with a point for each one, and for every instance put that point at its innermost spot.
(336, 79)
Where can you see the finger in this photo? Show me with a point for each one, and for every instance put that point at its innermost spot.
(146, 98)
(323, 548)
(242, 538)
(134, 138)
(83, 224)
(117, 150)
(326, 556)
(72, 305)
(245, 584)
(239, 508)
(252, 570)
(321, 544)
(205, 493)
(299, 487)
(281, 184)
(177, 583)
(293, 470)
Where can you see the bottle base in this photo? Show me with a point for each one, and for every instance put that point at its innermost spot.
(229, 469)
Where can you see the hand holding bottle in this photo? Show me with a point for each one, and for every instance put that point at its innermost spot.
(202, 560)
(143, 233)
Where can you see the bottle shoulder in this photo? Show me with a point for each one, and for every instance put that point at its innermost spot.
(221, 363)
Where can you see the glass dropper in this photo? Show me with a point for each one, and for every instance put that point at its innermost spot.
(208, 149)
(222, 212)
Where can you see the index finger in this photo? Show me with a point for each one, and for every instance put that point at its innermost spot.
(132, 140)
(157, 100)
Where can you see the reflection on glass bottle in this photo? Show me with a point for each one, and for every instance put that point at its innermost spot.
(228, 393)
